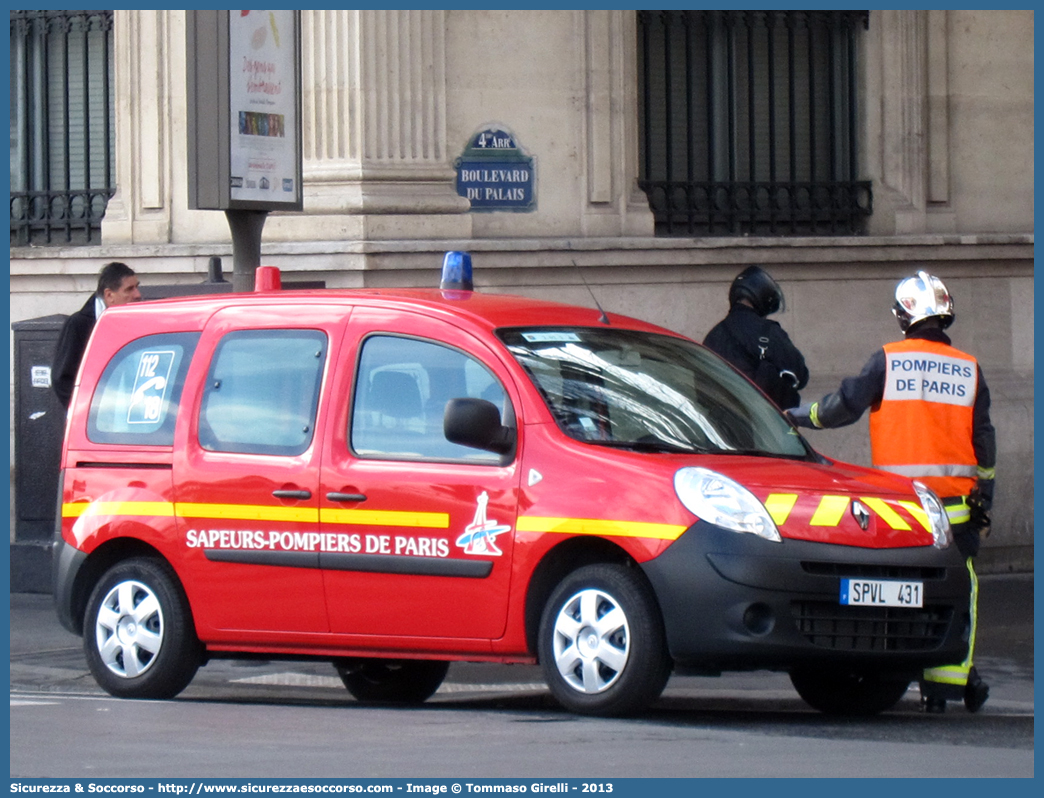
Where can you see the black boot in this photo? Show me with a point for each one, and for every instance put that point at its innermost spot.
(934, 696)
(976, 691)
(933, 706)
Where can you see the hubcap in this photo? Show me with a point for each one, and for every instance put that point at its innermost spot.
(129, 629)
(591, 641)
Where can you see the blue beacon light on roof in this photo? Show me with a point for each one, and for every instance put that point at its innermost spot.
(456, 272)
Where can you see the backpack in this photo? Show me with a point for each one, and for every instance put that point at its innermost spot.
(781, 386)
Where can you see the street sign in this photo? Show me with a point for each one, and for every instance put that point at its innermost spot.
(495, 174)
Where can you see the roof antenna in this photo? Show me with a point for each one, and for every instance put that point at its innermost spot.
(603, 318)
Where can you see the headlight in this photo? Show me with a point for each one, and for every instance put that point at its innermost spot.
(939, 522)
(723, 502)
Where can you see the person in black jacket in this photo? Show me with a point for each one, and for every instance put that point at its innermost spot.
(758, 347)
(117, 285)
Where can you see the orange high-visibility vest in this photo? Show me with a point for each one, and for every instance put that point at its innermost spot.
(923, 426)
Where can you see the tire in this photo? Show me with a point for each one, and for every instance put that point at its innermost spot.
(849, 693)
(391, 681)
(138, 635)
(601, 642)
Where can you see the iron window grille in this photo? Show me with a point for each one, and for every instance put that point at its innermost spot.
(62, 121)
(748, 122)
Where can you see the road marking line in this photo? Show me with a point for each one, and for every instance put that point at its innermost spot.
(289, 679)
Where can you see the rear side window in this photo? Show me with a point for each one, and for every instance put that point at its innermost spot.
(262, 392)
(136, 401)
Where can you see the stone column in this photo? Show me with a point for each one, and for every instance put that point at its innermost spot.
(941, 216)
(915, 118)
(904, 62)
(615, 204)
(376, 164)
(140, 211)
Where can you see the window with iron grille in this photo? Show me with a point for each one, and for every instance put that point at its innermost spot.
(748, 122)
(62, 171)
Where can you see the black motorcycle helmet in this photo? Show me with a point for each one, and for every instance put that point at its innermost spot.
(755, 285)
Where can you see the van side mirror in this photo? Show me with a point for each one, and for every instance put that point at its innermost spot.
(476, 423)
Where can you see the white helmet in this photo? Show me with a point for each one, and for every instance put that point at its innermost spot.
(921, 297)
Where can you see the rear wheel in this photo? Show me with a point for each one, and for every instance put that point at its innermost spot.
(601, 642)
(849, 693)
(392, 681)
(138, 637)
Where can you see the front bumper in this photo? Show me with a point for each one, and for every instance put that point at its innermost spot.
(734, 601)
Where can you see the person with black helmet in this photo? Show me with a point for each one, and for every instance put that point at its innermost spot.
(757, 346)
(929, 420)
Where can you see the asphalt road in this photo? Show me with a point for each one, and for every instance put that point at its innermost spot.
(292, 719)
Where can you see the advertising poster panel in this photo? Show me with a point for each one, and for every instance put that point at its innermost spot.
(263, 107)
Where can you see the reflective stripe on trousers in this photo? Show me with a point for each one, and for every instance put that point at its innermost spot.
(957, 510)
(958, 674)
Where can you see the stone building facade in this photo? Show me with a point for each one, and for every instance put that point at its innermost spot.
(391, 99)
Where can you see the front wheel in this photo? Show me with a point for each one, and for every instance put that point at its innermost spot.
(391, 681)
(138, 635)
(601, 642)
(850, 693)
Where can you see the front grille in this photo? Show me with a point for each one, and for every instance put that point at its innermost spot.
(872, 570)
(828, 625)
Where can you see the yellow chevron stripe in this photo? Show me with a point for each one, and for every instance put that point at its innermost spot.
(917, 511)
(598, 526)
(779, 506)
(888, 515)
(830, 511)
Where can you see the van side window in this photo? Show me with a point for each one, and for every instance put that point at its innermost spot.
(136, 400)
(402, 387)
(262, 392)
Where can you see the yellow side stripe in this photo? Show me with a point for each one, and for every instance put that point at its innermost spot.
(248, 512)
(257, 512)
(384, 518)
(890, 516)
(597, 526)
(76, 509)
(830, 511)
(779, 506)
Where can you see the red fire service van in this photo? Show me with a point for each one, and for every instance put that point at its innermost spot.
(391, 480)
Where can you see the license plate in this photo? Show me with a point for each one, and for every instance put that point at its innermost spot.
(881, 593)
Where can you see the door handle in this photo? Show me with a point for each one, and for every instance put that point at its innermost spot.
(292, 494)
(345, 497)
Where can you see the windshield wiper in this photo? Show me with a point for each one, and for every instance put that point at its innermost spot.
(760, 453)
(651, 446)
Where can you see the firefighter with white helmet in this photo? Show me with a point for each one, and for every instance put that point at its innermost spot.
(929, 420)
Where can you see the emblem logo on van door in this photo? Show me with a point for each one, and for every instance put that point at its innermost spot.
(861, 514)
(480, 535)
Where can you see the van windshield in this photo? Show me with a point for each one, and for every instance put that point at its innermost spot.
(649, 392)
